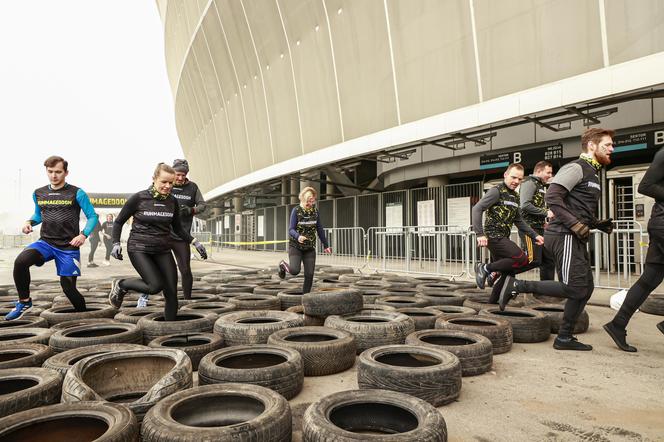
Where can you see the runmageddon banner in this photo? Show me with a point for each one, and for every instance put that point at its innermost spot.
(114, 200)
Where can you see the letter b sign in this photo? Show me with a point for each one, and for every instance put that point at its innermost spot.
(517, 157)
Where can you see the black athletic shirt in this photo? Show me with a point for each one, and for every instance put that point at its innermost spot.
(533, 207)
(501, 205)
(652, 185)
(573, 196)
(153, 220)
(188, 195)
(107, 229)
(59, 211)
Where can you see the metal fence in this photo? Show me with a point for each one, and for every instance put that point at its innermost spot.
(11, 241)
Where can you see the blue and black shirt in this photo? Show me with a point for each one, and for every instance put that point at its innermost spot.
(59, 212)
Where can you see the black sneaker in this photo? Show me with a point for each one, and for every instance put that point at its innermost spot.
(660, 326)
(283, 269)
(116, 295)
(480, 275)
(92, 264)
(570, 344)
(492, 278)
(619, 336)
(508, 292)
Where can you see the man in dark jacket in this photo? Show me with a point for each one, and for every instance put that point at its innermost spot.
(573, 196)
(535, 213)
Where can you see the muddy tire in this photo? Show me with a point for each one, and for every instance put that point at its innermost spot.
(98, 421)
(453, 311)
(226, 412)
(277, 368)
(308, 320)
(528, 325)
(498, 331)
(441, 297)
(425, 372)
(324, 302)
(24, 355)
(187, 321)
(423, 317)
(654, 304)
(244, 328)
(97, 334)
(195, 345)
(23, 335)
(24, 322)
(62, 362)
(62, 313)
(474, 351)
(555, 314)
(324, 350)
(373, 328)
(347, 416)
(132, 315)
(255, 302)
(290, 297)
(138, 378)
(28, 387)
(402, 301)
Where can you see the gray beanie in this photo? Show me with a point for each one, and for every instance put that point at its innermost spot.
(181, 166)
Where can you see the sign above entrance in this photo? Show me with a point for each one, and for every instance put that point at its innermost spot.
(108, 200)
(527, 157)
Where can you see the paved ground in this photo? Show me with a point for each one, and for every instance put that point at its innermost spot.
(533, 393)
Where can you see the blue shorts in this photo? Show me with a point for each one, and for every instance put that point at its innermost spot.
(67, 262)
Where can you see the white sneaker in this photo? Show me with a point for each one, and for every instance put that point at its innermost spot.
(106, 262)
(143, 301)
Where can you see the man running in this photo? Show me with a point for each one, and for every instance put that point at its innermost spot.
(535, 213)
(651, 185)
(501, 204)
(57, 207)
(191, 203)
(573, 196)
(94, 243)
(107, 235)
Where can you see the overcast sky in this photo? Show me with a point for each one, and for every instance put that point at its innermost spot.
(86, 80)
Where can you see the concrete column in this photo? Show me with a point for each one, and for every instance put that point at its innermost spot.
(285, 190)
(295, 189)
(437, 181)
(237, 205)
(329, 189)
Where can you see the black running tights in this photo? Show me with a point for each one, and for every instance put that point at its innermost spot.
(650, 279)
(182, 254)
(158, 274)
(32, 257)
(295, 259)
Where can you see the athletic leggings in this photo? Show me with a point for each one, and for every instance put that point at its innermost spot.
(108, 243)
(32, 257)
(93, 249)
(296, 257)
(652, 277)
(182, 254)
(508, 259)
(158, 274)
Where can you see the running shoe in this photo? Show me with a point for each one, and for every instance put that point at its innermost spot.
(143, 300)
(508, 292)
(570, 343)
(19, 310)
(480, 275)
(619, 336)
(283, 269)
(92, 265)
(660, 326)
(492, 278)
(116, 295)
(106, 262)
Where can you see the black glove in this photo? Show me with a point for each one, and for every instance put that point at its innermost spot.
(605, 225)
(200, 249)
(116, 252)
(581, 231)
(186, 210)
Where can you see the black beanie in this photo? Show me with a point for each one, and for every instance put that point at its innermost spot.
(181, 166)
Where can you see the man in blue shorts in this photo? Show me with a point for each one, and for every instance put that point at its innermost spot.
(58, 208)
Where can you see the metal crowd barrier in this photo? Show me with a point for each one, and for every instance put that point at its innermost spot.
(348, 246)
(13, 241)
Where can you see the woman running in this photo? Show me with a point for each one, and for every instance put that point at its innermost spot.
(155, 211)
(304, 224)
(107, 235)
